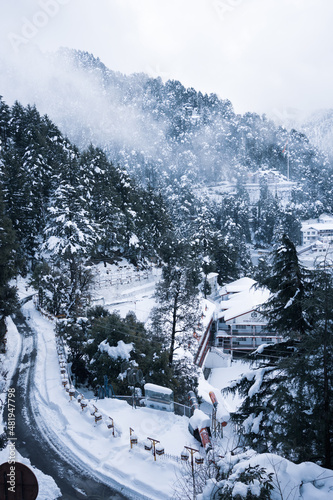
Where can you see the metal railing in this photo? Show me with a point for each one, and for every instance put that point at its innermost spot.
(182, 410)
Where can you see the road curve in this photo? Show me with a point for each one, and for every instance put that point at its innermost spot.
(53, 459)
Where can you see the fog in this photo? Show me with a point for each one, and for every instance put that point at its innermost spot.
(75, 101)
(268, 56)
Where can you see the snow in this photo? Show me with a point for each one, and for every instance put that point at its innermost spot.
(218, 379)
(208, 310)
(53, 242)
(134, 240)
(251, 424)
(305, 481)
(92, 443)
(110, 458)
(239, 489)
(259, 374)
(199, 420)
(122, 287)
(8, 364)
(244, 302)
(158, 388)
(122, 350)
(239, 285)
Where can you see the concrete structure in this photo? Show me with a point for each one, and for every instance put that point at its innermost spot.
(320, 229)
(234, 323)
(277, 184)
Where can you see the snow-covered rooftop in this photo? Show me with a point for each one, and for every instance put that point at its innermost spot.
(208, 309)
(319, 226)
(157, 388)
(243, 302)
(237, 286)
(212, 275)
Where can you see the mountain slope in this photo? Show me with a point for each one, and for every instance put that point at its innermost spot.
(150, 127)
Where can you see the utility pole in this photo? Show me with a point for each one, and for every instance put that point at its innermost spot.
(288, 170)
(192, 451)
(286, 149)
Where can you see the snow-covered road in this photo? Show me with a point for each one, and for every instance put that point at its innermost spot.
(36, 439)
(89, 448)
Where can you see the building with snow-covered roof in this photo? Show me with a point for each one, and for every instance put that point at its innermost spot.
(239, 323)
(316, 254)
(236, 324)
(277, 184)
(236, 287)
(320, 229)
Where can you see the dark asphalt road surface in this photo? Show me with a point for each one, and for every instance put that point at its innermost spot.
(52, 459)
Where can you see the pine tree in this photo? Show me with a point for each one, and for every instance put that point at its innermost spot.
(8, 295)
(288, 285)
(70, 234)
(178, 314)
(287, 404)
(267, 216)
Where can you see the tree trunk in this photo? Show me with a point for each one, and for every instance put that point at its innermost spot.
(327, 432)
(173, 331)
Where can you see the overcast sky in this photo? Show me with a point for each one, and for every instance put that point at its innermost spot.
(268, 56)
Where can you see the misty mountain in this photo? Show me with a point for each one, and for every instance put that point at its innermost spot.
(319, 128)
(153, 129)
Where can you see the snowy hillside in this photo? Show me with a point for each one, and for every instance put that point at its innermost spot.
(147, 126)
(134, 470)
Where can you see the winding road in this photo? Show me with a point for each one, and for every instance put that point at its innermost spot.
(50, 456)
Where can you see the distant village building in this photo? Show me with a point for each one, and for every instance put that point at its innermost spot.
(278, 185)
(320, 229)
(234, 323)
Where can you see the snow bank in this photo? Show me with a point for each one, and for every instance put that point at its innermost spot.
(199, 420)
(8, 362)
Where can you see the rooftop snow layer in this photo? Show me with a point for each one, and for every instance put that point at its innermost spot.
(244, 302)
(157, 388)
(237, 286)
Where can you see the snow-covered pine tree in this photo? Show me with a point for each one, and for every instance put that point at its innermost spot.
(288, 283)
(104, 202)
(177, 316)
(287, 405)
(70, 233)
(266, 216)
(8, 295)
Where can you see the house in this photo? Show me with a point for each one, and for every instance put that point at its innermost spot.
(239, 325)
(277, 184)
(320, 229)
(316, 254)
(234, 323)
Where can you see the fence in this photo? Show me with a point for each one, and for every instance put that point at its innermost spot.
(183, 410)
